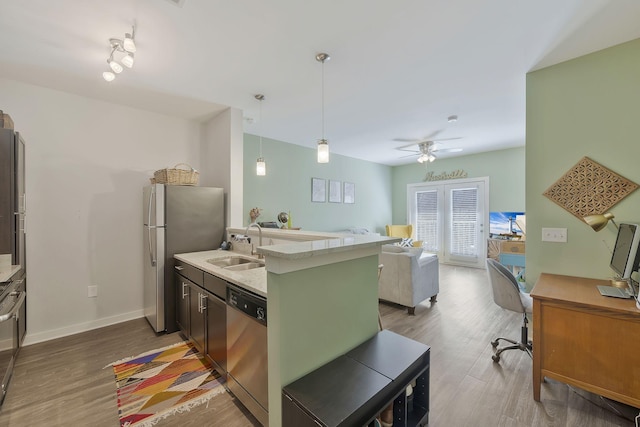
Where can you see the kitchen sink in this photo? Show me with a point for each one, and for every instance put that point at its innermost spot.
(245, 266)
(236, 263)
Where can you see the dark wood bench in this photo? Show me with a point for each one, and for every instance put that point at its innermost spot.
(353, 388)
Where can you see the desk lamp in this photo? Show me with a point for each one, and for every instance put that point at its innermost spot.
(599, 222)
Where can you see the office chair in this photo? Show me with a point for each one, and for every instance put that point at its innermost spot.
(507, 294)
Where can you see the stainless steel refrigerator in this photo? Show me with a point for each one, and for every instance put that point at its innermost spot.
(177, 219)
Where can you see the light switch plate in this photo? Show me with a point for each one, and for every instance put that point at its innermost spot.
(558, 235)
(92, 291)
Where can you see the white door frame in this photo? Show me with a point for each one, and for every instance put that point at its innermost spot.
(483, 227)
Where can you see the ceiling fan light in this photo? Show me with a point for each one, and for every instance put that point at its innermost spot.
(127, 61)
(115, 67)
(108, 76)
(431, 157)
(323, 151)
(128, 44)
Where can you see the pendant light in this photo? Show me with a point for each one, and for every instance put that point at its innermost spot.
(261, 165)
(323, 144)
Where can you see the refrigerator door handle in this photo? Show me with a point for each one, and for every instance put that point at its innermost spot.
(153, 189)
(152, 256)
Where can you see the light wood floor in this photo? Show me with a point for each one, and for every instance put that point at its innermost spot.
(65, 381)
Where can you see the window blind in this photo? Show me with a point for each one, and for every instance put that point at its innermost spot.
(464, 222)
(427, 219)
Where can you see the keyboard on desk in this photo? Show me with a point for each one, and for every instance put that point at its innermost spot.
(612, 291)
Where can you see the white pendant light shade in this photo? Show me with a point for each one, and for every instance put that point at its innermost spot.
(127, 60)
(108, 76)
(115, 67)
(323, 144)
(261, 167)
(128, 43)
(323, 151)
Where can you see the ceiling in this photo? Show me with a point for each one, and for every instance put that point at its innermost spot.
(398, 69)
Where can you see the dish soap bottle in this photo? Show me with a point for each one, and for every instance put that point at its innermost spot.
(289, 220)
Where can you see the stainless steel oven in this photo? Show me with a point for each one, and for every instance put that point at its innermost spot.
(12, 326)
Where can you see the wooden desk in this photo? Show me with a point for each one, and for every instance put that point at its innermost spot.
(584, 339)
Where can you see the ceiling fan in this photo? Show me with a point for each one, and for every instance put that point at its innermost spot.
(426, 149)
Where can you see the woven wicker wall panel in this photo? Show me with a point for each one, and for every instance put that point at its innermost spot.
(589, 188)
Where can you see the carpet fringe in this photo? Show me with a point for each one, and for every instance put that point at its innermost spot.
(126, 359)
(185, 407)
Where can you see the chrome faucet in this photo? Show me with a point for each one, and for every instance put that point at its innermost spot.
(254, 224)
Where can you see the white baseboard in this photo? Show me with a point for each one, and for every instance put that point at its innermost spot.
(82, 327)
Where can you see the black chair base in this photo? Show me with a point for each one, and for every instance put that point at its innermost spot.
(524, 344)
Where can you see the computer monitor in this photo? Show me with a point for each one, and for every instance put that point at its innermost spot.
(626, 256)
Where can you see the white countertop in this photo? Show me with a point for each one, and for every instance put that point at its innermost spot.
(7, 273)
(342, 243)
(254, 280)
(295, 256)
(285, 233)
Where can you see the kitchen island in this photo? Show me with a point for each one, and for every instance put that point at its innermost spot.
(322, 300)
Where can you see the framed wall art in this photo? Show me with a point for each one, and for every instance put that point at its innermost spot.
(335, 191)
(349, 192)
(318, 190)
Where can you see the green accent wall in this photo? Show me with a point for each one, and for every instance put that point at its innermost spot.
(589, 106)
(314, 316)
(287, 187)
(505, 169)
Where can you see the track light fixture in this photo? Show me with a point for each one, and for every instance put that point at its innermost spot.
(126, 48)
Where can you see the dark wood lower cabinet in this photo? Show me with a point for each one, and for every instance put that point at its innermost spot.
(182, 308)
(202, 316)
(197, 318)
(216, 331)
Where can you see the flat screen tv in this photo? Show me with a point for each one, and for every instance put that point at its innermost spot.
(626, 256)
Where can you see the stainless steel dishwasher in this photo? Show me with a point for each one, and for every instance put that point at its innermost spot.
(247, 351)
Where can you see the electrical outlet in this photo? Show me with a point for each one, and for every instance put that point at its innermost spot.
(558, 235)
(92, 291)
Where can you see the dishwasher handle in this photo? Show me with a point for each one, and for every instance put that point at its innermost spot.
(13, 312)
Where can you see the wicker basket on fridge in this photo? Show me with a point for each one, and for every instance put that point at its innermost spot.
(175, 176)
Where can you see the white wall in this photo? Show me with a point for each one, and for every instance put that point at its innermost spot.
(87, 162)
(221, 154)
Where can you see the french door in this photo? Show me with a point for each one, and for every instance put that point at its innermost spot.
(450, 217)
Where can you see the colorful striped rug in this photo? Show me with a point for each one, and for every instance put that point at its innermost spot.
(159, 383)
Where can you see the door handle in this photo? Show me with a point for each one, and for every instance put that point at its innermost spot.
(184, 293)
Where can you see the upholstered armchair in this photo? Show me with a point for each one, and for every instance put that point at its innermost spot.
(408, 276)
(402, 231)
